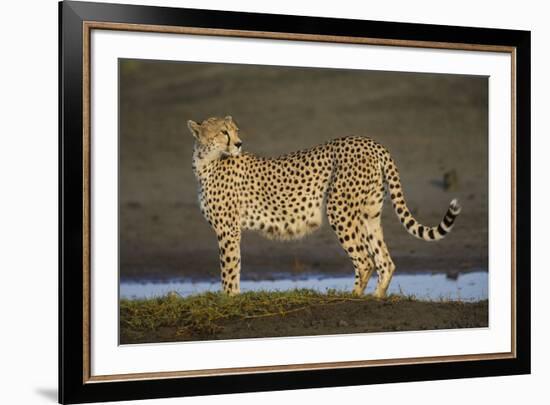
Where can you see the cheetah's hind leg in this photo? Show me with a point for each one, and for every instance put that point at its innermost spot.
(363, 275)
(353, 241)
(382, 259)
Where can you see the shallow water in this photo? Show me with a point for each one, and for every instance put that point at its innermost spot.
(426, 286)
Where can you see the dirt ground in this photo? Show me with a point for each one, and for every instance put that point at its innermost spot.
(432, 124)
(330, 319)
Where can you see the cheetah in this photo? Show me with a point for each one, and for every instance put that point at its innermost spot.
(284, 198)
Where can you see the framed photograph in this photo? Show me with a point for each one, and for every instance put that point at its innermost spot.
(223, 178)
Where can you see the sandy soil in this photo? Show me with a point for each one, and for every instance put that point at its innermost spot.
(432, 124)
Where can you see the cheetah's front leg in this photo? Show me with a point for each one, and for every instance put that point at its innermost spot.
(229, 243)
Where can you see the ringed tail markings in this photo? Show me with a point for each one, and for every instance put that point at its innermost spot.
(413, 227)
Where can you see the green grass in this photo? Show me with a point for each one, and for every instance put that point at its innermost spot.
(202, 313)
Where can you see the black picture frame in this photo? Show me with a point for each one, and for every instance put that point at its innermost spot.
(73, 385)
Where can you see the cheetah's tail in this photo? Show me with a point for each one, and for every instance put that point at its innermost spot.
(412, 226)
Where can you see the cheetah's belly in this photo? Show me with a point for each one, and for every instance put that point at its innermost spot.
(286, 220)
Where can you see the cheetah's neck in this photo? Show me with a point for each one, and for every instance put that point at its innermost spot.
(202, 157)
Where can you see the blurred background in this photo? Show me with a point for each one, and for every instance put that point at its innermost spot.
(435, 126)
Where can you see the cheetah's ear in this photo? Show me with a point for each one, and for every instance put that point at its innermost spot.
(194, 128)
(228, 118)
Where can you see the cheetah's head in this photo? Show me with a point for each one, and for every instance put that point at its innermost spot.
(217, 135)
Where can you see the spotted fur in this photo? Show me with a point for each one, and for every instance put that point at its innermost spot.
(284, 198)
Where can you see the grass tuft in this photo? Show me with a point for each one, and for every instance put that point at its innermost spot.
(201, 314)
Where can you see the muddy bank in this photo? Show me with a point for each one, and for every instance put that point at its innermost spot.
(324, 318)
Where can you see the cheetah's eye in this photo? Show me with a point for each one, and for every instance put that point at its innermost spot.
(225, 132)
